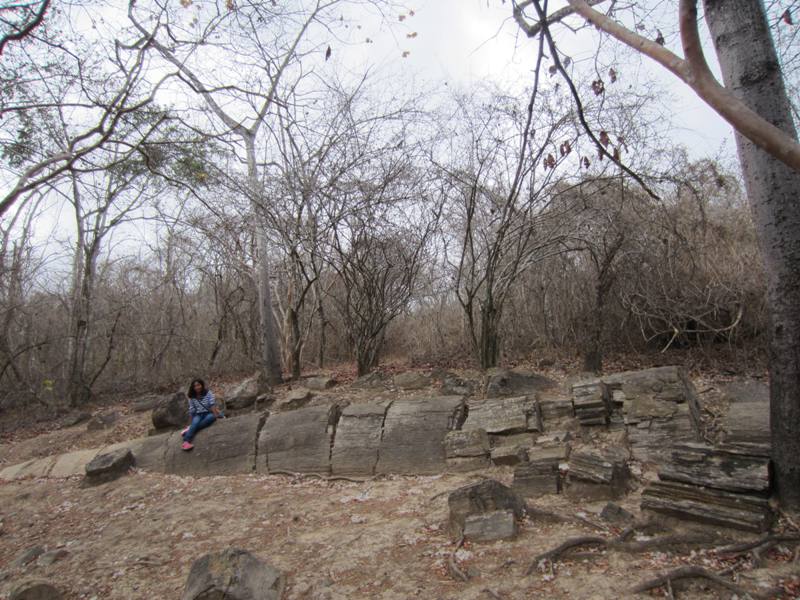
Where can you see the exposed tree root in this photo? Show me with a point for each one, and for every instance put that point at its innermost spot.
(769, 540)
(693, 572)
(452, 568)
(620, 544)
(323, 477)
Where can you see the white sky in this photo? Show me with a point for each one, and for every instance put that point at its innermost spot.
(467, 41)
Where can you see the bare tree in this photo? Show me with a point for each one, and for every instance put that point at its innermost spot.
(754, 101)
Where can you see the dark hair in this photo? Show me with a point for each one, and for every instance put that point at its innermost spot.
(192, 393)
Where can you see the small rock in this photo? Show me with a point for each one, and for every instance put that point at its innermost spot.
(491, 526)
(243, 395)
(234, 575)
(102, 421)
(319, 383)
(358, 519)
(145, 403)
(171, 412)
(296, 398)
(76, 418)
(509, 455)
(412, 381)
(28, 556)
(52, 556)
(370, 381)
(35, 590)
(109, 466)
(481, 498)
(614, 513)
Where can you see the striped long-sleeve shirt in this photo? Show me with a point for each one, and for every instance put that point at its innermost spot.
(201, 406)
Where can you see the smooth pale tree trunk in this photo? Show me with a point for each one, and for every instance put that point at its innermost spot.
(270, 350)
(751, 70)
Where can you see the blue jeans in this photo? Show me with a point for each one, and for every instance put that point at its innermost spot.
(198, 422)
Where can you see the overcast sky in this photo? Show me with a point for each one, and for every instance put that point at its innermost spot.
(468, 41)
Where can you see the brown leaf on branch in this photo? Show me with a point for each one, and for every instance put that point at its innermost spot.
(328, 53)
(598, 87)
(552, 70)
(565, 148)
(586, 162)
(605, 139)
(612, 74)
(660, 38)
(786, 17)
(616, 154)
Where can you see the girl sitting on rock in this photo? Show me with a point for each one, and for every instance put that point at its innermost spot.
(203, 411)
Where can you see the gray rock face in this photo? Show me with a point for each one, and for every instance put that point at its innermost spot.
(145, 403)
(614, 513)
(456, 386)
(491, 526)
(540, 475)
(228, 447)
(172, 412)
(76, 418)
(504, 415)
(479, 499)
(591, 402)
(102, 421)
(299, 440)
(233, 575)
(466, 450)
(728, 470)
(243, 395)
(413, 435)
(150, 453)
(35, 590)
(516, 382)
(109, 466)
(371, 381)
(296, 398)
(707, 505)
(412, 380)
(52, 557)
(28, 556)
(358, 439)
(598, 474)
(747, 421)
(509, 455)
(321, 383)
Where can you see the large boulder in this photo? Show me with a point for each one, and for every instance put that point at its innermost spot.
(243, 395)
(358, 439)
(466, 450)
(108, 466)
(320, 383)
(412, 380)
(414, 432)
(233, 575)
(504, 415)
(515, 382)
(228, 447)
(747, 422)
(172, 412)
(482, 498)
(102, 421)
(298, 441)
(35, 590)
(598, 474)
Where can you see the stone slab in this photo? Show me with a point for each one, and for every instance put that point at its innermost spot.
(491, 526)
(228, 447)
(298, 441)
(414, 432)
(72, 463)
(358, 439)
(504, 415)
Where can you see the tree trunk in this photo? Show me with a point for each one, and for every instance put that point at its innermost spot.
(489, 338)
(750, 69)
(270, 352)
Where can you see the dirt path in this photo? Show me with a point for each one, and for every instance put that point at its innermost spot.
(137, 537)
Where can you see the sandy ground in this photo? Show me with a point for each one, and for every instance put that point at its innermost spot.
(138, 536)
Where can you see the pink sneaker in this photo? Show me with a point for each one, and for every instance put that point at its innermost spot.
(187, 445)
